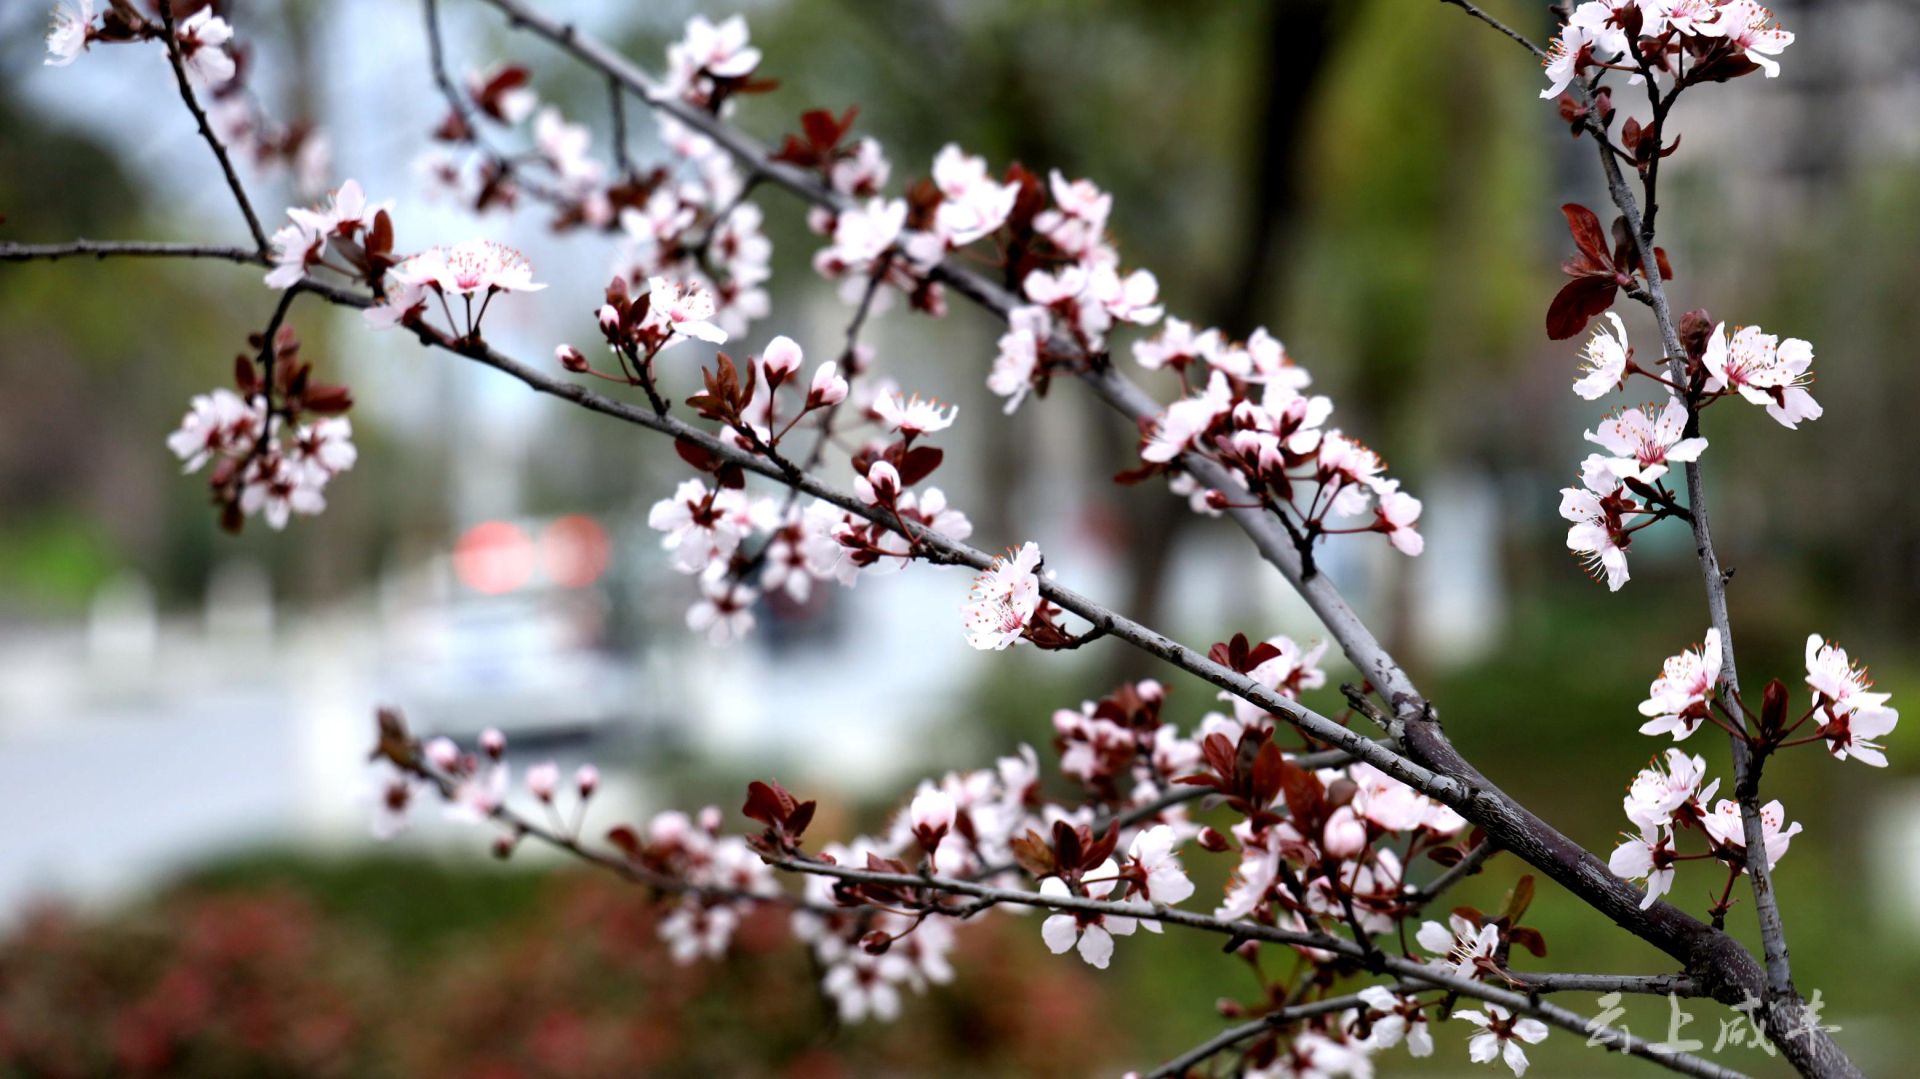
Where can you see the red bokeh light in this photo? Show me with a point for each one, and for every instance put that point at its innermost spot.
(493, 558)
(574, 550)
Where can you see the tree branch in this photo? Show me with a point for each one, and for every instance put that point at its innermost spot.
(101, 249)
(206, 129)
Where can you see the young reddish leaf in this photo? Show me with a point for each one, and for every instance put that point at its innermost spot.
(625, 839)
(1529, 938)
(1578, 301)
(1587, 233)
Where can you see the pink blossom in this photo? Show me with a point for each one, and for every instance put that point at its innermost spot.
(1186, 420)
(913, 416)
(218, 423)
(202, 37)
(1728, 829)
(1854, 715)
(1603, 363)
(1678, 700)
(686, 309)
(1765, 370)
(1753, 29)
(972, 204)
(1501, 1036)
(1656, 794)
(781, 358)
(827, 387)
(473, 266)
(1092, 933)
(1649, 856)
(724, 611)
(1003, 600)
(71, 32)
(1643, 442)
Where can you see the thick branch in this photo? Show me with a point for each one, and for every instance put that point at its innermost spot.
(1660, 985)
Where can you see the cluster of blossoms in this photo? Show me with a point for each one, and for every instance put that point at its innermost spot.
(1664, 801)
(1253, 419)
(200, 40)
(1623, 489)
(275, 441)
(1319, 851)
(689, 221)
(204, 43)
(709, 528)
(1694, 40)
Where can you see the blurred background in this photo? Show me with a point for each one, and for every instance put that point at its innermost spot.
(187, 885)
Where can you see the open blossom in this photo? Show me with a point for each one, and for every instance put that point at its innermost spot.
(862, 235)
(1752, 28)
(1177, 346)
(220, 422)
(71, 31)
(1765, 370)
(276, 487)
(1186, 420)
(724, 611)
(911, 415)
(1727, 828)
(1019, 357)
(1649, 855)
(1396, 514)
(1501, 1035)
(1598, 510)
(470, 267)
(703, 527)
(1397, 1018)
(202, 37)
(1003, 600)
(1679, 698)
(685, 308)
(972, 203)
(1854, 714)
(1603, 363)
(1092, 933)
(717, 49)
(1656, 793)
(1643, 442)
(1154, 870)
(1461, 948)
(694, 931)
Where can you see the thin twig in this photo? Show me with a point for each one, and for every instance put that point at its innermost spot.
(206, 129)
(101, 249)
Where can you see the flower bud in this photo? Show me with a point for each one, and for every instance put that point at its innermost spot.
(1773, 709)
(1212, 840)
(587, 779)
(781, 359)
(570, 358)
(543, 779)
(1344, 836)
(493, 742)
(931, 815)
(443, 754)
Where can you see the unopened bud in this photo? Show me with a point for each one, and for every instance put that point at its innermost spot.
(587, 779)
(493, 742)
(1212, 840)
(570, 358)
(1773, 709)
(876, 943)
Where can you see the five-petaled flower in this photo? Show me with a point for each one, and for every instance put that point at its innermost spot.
(1501, 1036)
(1003, 600)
